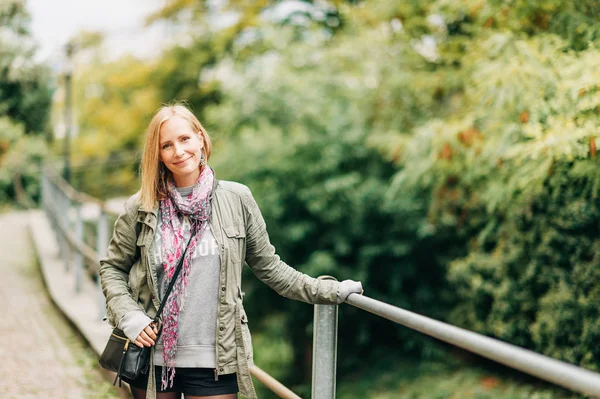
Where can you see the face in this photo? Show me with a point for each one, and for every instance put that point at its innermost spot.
(180, 149)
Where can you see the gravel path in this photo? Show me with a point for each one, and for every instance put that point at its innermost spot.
(40, 355)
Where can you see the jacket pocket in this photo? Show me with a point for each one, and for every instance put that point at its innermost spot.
(235, 231)
(236, 235)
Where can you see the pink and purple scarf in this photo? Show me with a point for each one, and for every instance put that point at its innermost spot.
(173, 208)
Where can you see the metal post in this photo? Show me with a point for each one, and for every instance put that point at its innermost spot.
(101, 247)
(58, 203)
(79, 266)
(324, 350)
(51, 204)
(68, 112)
(60, 210)
(63, 215)
(44, 192)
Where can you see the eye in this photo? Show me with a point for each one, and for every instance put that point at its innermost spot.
(165, 146)
(185, 138)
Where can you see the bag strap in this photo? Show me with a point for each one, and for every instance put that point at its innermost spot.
(173, 280)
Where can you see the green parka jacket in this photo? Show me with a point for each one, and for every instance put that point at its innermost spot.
(129, 277)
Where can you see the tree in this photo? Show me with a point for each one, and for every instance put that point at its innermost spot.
(444, 153)
(25, 97)
(24, 91)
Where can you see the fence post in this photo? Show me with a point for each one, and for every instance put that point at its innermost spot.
(62, 213)
(79, 266)
(44, 192)
(324, 350)
(101, 247)
(51, 202)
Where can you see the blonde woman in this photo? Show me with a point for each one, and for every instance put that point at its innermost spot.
(204, 349)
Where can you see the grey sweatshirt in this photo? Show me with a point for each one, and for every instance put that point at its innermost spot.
(198, 320)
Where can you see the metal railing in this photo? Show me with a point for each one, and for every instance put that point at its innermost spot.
(557, 372)
(69, 211)
(77, 219)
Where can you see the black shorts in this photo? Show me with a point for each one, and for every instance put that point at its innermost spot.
(191, 381)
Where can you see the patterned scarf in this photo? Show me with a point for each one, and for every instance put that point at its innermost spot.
(197, 208)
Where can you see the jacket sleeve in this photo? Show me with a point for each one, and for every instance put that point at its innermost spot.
(269, 268)
(115, 267)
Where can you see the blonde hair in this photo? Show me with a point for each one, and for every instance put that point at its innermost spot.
(154, 174)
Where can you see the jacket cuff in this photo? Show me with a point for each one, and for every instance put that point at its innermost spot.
(133, 323)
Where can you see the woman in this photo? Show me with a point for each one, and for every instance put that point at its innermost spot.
(204, 350)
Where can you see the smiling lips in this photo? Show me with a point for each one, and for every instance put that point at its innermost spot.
(182, 162)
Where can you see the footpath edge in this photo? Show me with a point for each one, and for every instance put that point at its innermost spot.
(81, 309)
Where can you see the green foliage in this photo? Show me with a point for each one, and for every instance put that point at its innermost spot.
(24, 91)
(514, 170)
(20, 160)
(449, 380)
(442, 152)
(305, 152)
(24, 107)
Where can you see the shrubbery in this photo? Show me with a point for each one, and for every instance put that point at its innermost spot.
(444, 153)
(24, 107)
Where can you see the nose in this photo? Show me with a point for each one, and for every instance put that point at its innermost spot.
(179, 150)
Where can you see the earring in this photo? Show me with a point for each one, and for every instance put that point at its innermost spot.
(202, 159)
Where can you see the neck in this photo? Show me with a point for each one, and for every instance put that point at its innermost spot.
(188, 180)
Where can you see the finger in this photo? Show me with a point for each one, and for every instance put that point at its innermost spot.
(146, 339)
(137, 342)
(142, 341)
(150, 332)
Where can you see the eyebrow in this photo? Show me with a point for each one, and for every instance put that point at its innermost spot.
(168, 141)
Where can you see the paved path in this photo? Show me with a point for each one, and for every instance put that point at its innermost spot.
(40, 355)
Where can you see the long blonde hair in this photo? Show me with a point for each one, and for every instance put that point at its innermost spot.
(154, 174)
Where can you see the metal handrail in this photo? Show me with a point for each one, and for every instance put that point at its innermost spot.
(275, 386)
(78, 196)
(557, 372)
(90, 256)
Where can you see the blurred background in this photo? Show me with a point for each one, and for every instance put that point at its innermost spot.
(442, 152)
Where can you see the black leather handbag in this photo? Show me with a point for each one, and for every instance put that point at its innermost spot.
(125, 358)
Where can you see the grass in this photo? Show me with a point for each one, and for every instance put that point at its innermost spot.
(453, 380)
(454, 374)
